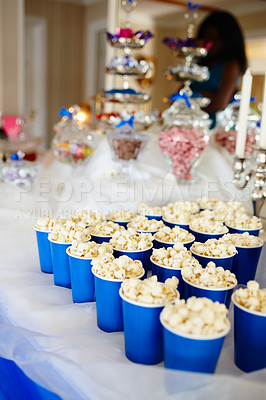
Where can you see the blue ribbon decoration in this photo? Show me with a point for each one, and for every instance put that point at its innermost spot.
(178, 96)
(65, 113)
(122, 91)
(130, 122)
(233, 100)
(192, 7)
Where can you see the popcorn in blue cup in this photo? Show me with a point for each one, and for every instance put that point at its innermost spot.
(204, 228)
(193, 334)
(215, 250)
(104, 231)
(241, 222)
(144, 224)
(187, 207)
(88, 216)
(150, 212)
(81, 255)
(207, 203)
(135, 245)
(246, 260)
(62, 235)
(174, 218)
(122, 217)
(250, 327)
(166, 237)
(142, 303)
(42, 228)
(213, 282)
(109, 272)
(169, 262)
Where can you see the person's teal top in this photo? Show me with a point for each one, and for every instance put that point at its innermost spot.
(211, 85)
(214, 81)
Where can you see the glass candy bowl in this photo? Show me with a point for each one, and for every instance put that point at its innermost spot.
(19, 172)
(227, 128)
(73, 143)
(184, 137)
(127, 145)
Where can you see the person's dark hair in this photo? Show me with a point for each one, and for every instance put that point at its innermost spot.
(231, 36)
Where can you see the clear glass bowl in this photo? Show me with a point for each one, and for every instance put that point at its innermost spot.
(127, 145)
(20, 172)
(127, 65)
(184, 138)
(73, 143)
(227, 128)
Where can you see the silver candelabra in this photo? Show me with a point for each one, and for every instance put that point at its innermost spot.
(242, 178)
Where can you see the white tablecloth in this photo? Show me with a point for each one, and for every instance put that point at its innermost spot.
(56, 342)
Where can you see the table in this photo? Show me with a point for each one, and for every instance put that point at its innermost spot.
(57, 343)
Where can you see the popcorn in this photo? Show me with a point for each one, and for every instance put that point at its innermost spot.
(131, 240)
(207, 203)
(117, 268)
(243, 221)
(211, 276)
(88, 216)
(253, 298)
(69, 231)
(121, 216)
(242, 239)
(177, 217)
(144, 209)
(206, 225)
(174, 257)
(189, 207)
(89, 249)
(214, 248)
(106, 228)
(173, 235)
(150, 291)
(197, 317)
(144, 224)
(46, 223)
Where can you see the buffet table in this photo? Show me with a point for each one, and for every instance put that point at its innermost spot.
(57, 343)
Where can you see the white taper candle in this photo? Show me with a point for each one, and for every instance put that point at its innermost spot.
(262, 144)
(243, 114)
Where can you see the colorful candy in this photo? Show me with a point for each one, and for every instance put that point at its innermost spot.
(72, 153)
(183, 146)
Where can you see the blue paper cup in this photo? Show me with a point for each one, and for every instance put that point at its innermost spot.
(142, 255)
(158, 244)
(44, 251)
(82, 279)
(254, 232)
(249, 338)
(142, 331)
(157, 217)
(121, 223)
(245, 263)
(222, 295)
(108, 303)
(191, 353)
(100, 239)
(203, 237)
(225, 262)
(164, 273)
(173, 224)
(60, 263)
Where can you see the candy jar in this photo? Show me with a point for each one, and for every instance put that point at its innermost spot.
(184, 136)
(126, 145)
(18, 171)
(73, 143)
(227, 127)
